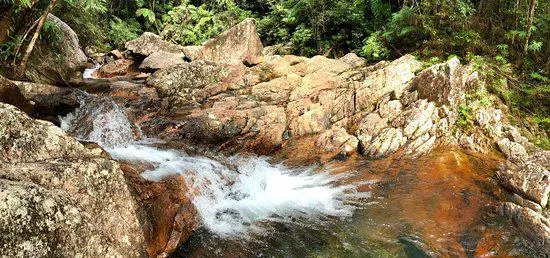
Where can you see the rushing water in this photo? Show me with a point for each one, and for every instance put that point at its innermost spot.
(236, 195)
(438, 205)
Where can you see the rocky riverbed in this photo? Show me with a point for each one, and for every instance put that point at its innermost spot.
(61, 197)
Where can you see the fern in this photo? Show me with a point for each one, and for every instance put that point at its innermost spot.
(147, 14)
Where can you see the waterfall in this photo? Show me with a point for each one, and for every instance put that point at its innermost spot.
(235, 196)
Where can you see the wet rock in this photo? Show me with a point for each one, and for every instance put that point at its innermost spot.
(239, 45)
(149, 43)
(116, 68)
(161, 59)
(58, 63)
(59, 199)
(11, 94)
(167, 213)
(531, 224)
(443, 83)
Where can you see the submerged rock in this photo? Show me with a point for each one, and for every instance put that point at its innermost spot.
(57, 198)
(60, 62)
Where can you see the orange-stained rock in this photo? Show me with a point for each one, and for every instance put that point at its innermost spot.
(116, 68)
(168, 215)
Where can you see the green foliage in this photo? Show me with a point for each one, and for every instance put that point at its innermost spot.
(464, 115)
(374, 49)
(149, 15)
(122, 31)
(191, 25)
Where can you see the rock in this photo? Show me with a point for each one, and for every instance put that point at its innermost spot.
(183, 84)
(337, 140)
(422, 145)
(33, 140)
(192, 52)
(531, 224)
(149, 43)
(116, 54)
(59, 199)
(312, 121)
(513, 151)
(388, 141)
(390, 110)
(443, 83)
(529, 179)
(50, 101)
(11, 94)
(58, 63)
(239, 45)
(168, 215)
(353, 60)
(419, 119)
(118, 67)
(161, 59)
(277, 91)
(370, 126)
(393, 78)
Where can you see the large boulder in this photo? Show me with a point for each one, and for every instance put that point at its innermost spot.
(387, 79)
(50, 101)
(238, 45)
(149, 43)
(60, 62)
(530, 179)
(533, 225)
(186, 84)
(11, 94)
(444, 83)
(58, 198)
(118, 67)
(161, 59)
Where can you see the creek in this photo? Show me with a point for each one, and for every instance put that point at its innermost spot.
(252, 206)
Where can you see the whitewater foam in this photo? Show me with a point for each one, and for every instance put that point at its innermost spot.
(234, 196)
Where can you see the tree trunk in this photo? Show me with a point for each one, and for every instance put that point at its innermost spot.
(23, 64)
(530, 16)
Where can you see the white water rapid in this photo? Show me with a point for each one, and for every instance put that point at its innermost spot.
(88, 73)
(235, 196)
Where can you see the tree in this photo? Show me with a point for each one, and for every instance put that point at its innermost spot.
(530, 16)
(30, 47)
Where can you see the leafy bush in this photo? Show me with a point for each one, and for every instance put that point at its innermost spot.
(374, 49)
(191, 25)
(121, 31)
